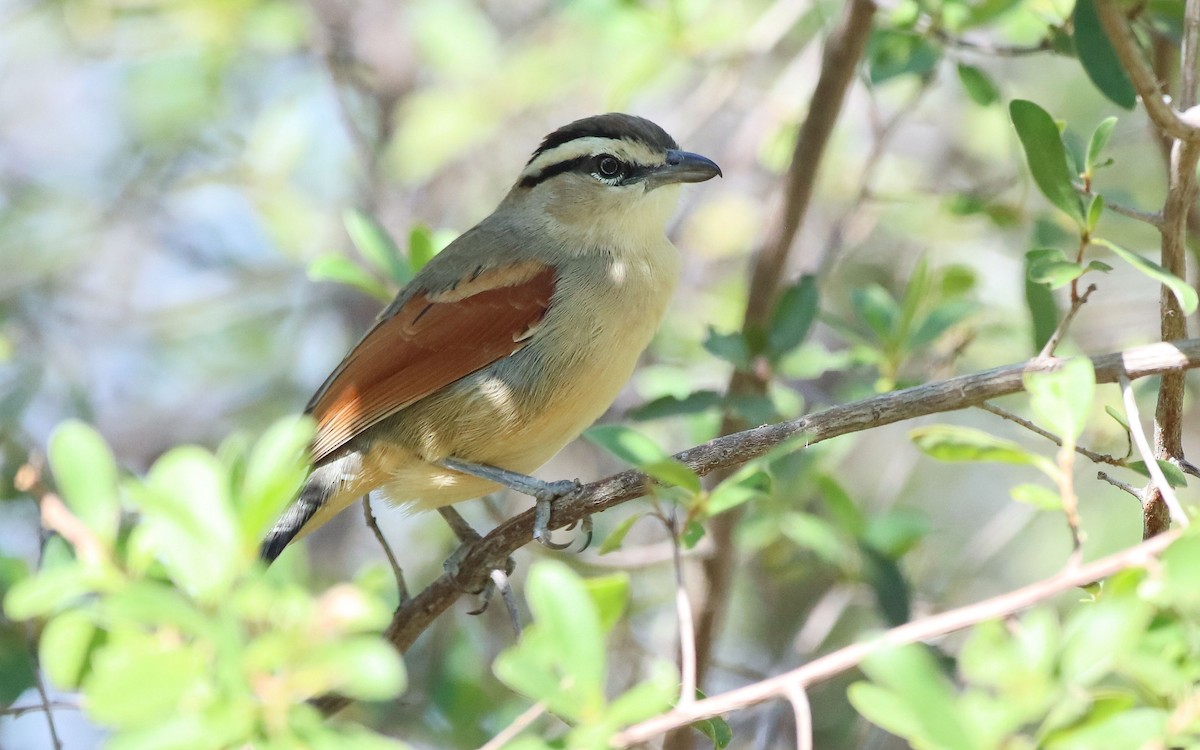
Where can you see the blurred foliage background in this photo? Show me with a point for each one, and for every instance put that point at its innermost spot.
(171, 170)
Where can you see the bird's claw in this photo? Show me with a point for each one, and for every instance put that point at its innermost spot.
(544, 505)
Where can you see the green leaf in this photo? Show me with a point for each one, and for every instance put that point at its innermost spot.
(344, 271)
(891, 589)
(731, 347)
(793, 317)
(420, 247)
(614, 540)
(716, 729)
(978, 85)
(883, 708)
(610, 594)
(1046, 156)
(841, 507)
(1056, 275)
(939, 320)
(136, 681)
(1036, 495)
(1118, 416)
(627, 444)
(1097, 143)
(564, 611)
(912, 674)
(876, 307)
(670, 406)
(692, 534)
(1175, 476)
(673, 474)
(1098, 58)
(1043, 311)
(66, 646)
(1183, 292)
(1062, 399)
(362, 667)
(376, 245)
(86, 474)
(189, 522)
(47, 591)
(652, 696)
(892, 53)
(1094, 212)
(733, 492)
(953, 443)
(274, 474)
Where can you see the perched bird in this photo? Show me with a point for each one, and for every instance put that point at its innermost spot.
(512, 340)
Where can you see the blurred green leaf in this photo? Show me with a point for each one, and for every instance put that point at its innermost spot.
(1036, 495)
(693, 532)
(563, 610)
(876, 307)
(1043, 311)
(66, 646)
(635, 448)
(610, 594)
(1062, 399)
(1098, 58)
(1046, 157)
(939, 320)
(140, 678)
(86, 474)
(716, 729)
(886, 580)
(342, 270)
(731, 347)
(979, 85)
(954, 443)
(376, 246)
(361, 667)
(650, 697)
(1118, 416)
(928, 712)
(896, 532)
(275, 472)
(671, 406)
(1098, 141)
(1175, 476)
(673, 474)
(615, 539)
(16, 663)
(1183, 292)
(793, 317)
(420, 248)
(892, 53)
(1094, 212)
(841, 506)
(46, 592)
(189, 522)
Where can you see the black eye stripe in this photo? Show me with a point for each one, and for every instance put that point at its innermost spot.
(584, 165)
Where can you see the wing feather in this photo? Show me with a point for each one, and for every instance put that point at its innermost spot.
(432, 340)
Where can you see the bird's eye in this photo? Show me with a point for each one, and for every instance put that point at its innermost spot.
(608, 166)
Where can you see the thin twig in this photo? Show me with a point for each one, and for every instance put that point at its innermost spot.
(1065, 479)
(1153, 218)
(1065, 323)
(916, 631)
(1103, 476)
(1141, 74)
(1143, 446)
(518, 725)
(988, 48)
(369, 515)
(16, 711)
(413, 618)
(802, 710)
(1094, 457)
(683, 612)
(40, 684)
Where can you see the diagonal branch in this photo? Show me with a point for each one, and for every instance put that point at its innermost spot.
(1141, 74)
(840, 661)
(415, 616)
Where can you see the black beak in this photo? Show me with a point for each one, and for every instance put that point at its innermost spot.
(682, 166)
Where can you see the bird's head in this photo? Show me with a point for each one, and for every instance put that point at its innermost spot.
(606, 172)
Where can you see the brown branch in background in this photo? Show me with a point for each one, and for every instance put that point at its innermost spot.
(414, 617)
(1181, 198)
(1141, 74)
(927, 628)
(1077, 301)
(839, 63)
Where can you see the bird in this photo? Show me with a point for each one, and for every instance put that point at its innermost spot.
(510, 342)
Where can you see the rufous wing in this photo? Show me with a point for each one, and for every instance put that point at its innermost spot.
(431, 341)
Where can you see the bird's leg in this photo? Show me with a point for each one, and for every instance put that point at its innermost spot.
(468, 536)
(544, 494)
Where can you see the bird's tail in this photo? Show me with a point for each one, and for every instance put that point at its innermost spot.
(323, 484)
